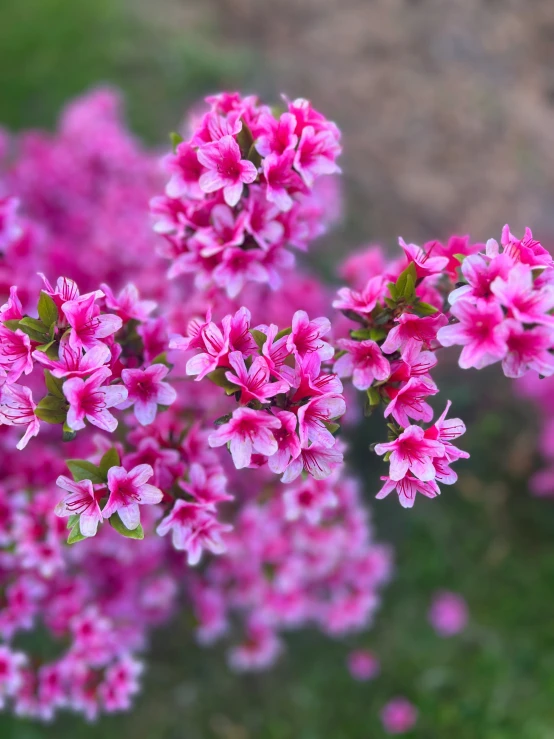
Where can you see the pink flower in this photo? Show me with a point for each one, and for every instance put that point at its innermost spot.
(524, 302)
(309, 500)
(425, 264)
(445, 431)
(313, 416)
(278, 135)
(409, 401)
(407, 489)
(275, 353)
(480, 272)
(128, 490)
(448, 613)
(281, 179)
(146, 391)
(309, 380)
(287, 440)
(238, 267)
(248, 431)
(91, 399)
(15, 353)
(17, 408)
(88, 327)
(319, 462)
(398, 716)
(82, 501)
(11, 672)
(412, 452)
(72, 362)
(259, 650)
(481, 331)
(214, 341)
(10, 228)
(254, 382)
(527, 250)
(316, 154)
(363, 361)
(455, 245)
(413, 332)
(361, 302)
(363, 664)
(194, 528)
(128, 304)
(305, 336)
(528, 349)
(226, 169)
(261, 219)
(206, 486)
(185, 170)
(225, 230)
(12, 310)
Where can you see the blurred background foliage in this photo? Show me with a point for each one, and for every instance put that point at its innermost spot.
(405, 170)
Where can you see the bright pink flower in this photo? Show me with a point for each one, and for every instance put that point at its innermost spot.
(361, 302)
(310, 500)
(287, 440)
(129, 490)
(445, 431)
(309, 380)
(248, 431)
(226, 169)
(206, 486)
(319, 462)
(524, 302)
(480, 272)
(194, 528)
(528, 349)
(12, 310)
(448, 613)
(281, 179)
(15, 353)
(254, 382)
(455, 245)
(17, 408)
(407, 489)
(238, 267)
(91, 399)
(261, 219)
(146, 391)
(313, 416)
(225, 230)
(185, 170)
(72, 362)
(128, 304)
(411, 452)
(409, 401)
(398, 716)
(82, 501)
(305, 337)
(238, 327)
(481, 330)
(88, 327)
(275, 353)
(277, 134)
(10, 227)
(363, 664)
(413, 332)
(363, 361)
(213, 340)
(316, 154)
(527, 250)
(425, 264)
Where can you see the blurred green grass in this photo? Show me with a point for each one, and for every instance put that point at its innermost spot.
(485, 538)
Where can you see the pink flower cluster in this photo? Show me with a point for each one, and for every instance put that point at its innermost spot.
(288, 399)
(243, 186)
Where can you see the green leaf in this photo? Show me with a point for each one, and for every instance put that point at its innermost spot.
(403, 281)
(409, 290)
(425, 309)
(373, 396)
(72, 520)
(47, 309)
(332, 427)
(13, 324)
(54, 385)
(219, 379)
(393, 291)
(361, 334)
(245, 140)
(284, 332)
(162, 359)
(109, 460)
(68, 434)
(52, 409)
(460, 257)
(376, 334)
(50, 349)
(175, 139)
(75, 535)
(119, 526)
(82, 469)
(259, 337)
(35, 329)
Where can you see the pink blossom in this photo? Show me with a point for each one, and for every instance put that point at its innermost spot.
(413, 331)
(11, 672)
(407, 488)
(517, 294)
(127, 491)
(305, 336)
(225, 169)
(15, 353)
(288, 443)
(527, 250)
(309, 380)
(362, 664)
(215, 343)
(412, 452)
(281, 180)
(10, 227)
(262, 219)
(83, 501)
(72, 362)
(456, 245)
(363, 361)
(479, 273)
(398, 716)
(425, 264)
(528, 348)
(480, 330)
(254, 382)
(448, 613)
(17, 408)
(362, 302)
(206, 486)
(91, 399)
(277, 135)
(445, 430)
(185, 171)
(318, 461)
(259, 650)
(409, 401)
(313, 416)
(88, 327)
(194, 528)
(275, 353)
(248, 431)
(316, 154)
(128, 304)
(225, 230)
(310, 500)
(146, 391)
(238, 267)
(12, 310)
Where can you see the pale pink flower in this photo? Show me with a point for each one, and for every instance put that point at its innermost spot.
(259, 650)
(363, 361)
(364, 301)
(398, 716)
(255, 381)
(91, 399)
(411, 452)
(410, 401)
(362, 664)
(247, 431)
(129, 490)
(146, 391)
(310, 500)
(528, 348)
(407, 488)
(261, 219)
(448, 613)
(318, 461)
(237, 267)
(17, 408)
(287, 440)
(215, 343)
(72, 362)
(481, 330)
(413, 332)
(11, 672)
(83, 501)
(313, 416)
(445, 430)
(226, 169)
(15, 353)
(226, 230)
(206, 486)
(194, 528)
(305, 336)
(128, 304)
(88, 327)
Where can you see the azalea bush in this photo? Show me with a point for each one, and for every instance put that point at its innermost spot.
(175, 387)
